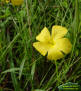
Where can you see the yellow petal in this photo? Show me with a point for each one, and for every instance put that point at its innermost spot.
(54, 54)
(42, 47)
(17, 2)
(63, 45)
(58, 31)
(7, 1)
(44, 36)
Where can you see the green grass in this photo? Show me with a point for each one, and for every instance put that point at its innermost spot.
(22, 68)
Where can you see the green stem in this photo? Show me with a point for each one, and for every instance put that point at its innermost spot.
(57, 74)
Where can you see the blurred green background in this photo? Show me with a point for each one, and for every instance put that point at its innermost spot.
(22, 68)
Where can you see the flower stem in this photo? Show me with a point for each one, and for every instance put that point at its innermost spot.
(57, 74)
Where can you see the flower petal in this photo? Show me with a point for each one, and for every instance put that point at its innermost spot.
(42, 47)
(63, 45)
(7, 1)
(54, 54)
(44, 36)
(58, 31)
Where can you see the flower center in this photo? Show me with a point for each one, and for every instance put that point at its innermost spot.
(52, 42)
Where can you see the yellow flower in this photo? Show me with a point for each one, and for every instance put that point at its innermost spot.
(16, 2)
(7, 1)
(55, 44)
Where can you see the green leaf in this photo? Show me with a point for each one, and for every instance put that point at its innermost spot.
(21, 68)
(11, 70)
(33, 70)
(39, 90)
